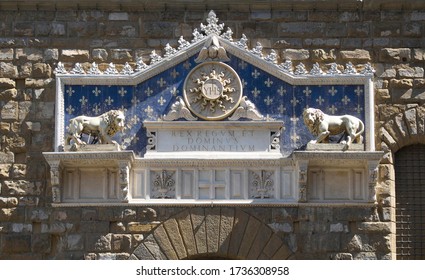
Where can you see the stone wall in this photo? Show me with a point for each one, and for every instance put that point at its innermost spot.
(34, 39)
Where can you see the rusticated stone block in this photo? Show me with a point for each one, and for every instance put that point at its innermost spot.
(100, 55)
(165, 243)
(176, 239)
(240, 222)
(8, 202)
(395, 55)
(121, 55)
(30, 54)
(7, 83)
(75, 242)
(198, 224)
(41, 243)
(98, 243)
(295, 54)
(153, 248)
(6, 54)
(21, 187)
(375, 227)
(259, 243)
(357, 55)
(136, 227)
(403, 83)
(185, 225)
(5, 170)
(421, 120)
(410, 118)
(247, 240)
(142, 253)
(18, 171)
(411, 72)
(8, 70)
(94, 226)
(15, 243)
(321, 55)
(8, 94)
(212, 228)
(418, 54)
(7, 157)
(41, 70)
(75, 55)
(121, 243)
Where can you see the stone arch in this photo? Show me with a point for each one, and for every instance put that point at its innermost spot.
(219, 232)
(404, 127)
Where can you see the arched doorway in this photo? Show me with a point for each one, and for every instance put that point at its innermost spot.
(212, 233)
(410, 202)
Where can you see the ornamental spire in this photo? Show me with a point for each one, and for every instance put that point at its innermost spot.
(212, 27)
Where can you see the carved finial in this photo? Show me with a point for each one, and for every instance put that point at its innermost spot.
(286, 66)
(316, 70)
(262, 184)
(334, 69)
(242, 43)
(228, 34)
(300, 69)
(183, 43)
(258, 50)
(94, 69)
(169, 50)
(272, 57)
(141, 65)
(163, 185)
(127, 70)
(60, 69)
(350, 69)
(78, 69)
(155, 58)
(111, 69)
(212, 27)
(368, 69)
(197, 36)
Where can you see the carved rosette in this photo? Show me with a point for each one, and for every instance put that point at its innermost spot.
(262, 184)
(212, 91)
(163, 185)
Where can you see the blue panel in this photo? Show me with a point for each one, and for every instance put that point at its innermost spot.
(272, 96)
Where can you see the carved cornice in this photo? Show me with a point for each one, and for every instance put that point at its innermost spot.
(89, 158)
(336, 155)
(202, 162)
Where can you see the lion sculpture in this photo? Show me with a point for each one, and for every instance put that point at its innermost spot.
(102, 128)
(323, 125)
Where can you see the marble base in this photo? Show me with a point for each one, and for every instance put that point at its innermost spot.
(334, 147)
(92, 148)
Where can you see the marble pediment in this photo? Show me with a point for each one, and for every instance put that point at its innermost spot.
(147, 89)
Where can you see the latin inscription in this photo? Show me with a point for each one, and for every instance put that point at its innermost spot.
(214, 140)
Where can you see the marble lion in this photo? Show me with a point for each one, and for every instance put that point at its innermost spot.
(101, 128)
(323, 125)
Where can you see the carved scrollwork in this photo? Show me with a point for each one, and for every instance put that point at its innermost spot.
(373, 178)
(246, 110)
(124, 180)
(151, 146)
(302, 181)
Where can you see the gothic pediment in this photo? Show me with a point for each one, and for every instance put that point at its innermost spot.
(269, 88)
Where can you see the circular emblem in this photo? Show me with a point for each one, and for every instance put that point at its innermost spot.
(212, 91)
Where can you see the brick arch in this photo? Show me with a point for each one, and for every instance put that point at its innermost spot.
(219, 232)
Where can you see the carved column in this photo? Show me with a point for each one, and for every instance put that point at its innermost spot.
(124, 180)
(55, 181)
(373, 178)
(302, 181)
